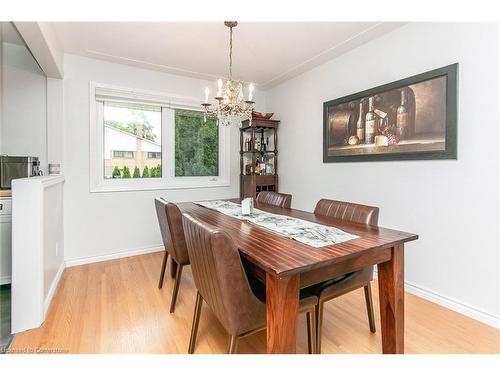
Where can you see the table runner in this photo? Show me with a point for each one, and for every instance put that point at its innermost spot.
(312, 234)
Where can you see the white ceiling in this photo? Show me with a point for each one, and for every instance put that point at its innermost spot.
(265, 53)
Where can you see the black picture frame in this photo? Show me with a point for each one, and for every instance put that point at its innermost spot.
(450, 151)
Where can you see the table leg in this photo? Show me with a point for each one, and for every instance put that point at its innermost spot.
(391, 296)
(282, 307)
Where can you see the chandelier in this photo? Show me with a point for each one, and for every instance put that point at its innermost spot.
(231, 106)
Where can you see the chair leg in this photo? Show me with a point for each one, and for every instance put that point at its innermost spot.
(162, 272)
(311, 331)
(369, 307)
(233, 344)
(196, 321)
(173, 268)
(176, 288)
(318, 312)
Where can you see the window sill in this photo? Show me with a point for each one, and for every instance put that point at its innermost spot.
(114, 187)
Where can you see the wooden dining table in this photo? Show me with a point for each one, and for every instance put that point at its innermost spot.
(287, 265)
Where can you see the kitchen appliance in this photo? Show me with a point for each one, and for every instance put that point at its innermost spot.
(12, 167)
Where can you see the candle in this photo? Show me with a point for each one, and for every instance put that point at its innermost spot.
(219, 83)
(250, 92)
(207, 91)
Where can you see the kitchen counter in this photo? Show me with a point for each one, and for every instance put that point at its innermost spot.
(5, 193)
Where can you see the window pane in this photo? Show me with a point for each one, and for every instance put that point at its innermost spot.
(196, 145)
(132, 134)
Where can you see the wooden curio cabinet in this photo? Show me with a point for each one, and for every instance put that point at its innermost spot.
(258, 157)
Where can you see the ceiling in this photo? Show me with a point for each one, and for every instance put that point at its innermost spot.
(265, 53)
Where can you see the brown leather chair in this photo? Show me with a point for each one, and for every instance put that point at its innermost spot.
(275, 199)
(222, 283)
(338, 286)
(172, 232)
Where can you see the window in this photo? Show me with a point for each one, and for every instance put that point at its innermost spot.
(154, 155)
(143, 141)
(131, 126)
(196, 144)
(123, 154)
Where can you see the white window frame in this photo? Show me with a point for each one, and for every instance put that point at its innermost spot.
(168, 180)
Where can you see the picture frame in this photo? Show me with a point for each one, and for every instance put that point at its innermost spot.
(414, 118)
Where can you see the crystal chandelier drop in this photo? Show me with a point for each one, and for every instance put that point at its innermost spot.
(231, 106)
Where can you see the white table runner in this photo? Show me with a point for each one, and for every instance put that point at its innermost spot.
(312, 234)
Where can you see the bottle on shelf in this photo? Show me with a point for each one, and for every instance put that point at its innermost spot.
(360, 126)
(370, 123)
(402, 117)
(262, 142)
(269, 167)
(257, 167)
(262, 165)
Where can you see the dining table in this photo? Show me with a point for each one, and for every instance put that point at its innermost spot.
(286, 265)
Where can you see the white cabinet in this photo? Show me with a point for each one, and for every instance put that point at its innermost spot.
(5, 240)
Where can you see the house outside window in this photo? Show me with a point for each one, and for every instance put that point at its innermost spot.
(122, 155)
(154, 155)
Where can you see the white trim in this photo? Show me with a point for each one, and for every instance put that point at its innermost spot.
(168, 181)
(450, 303)
(53, 288)
(5, 280)
(117, 255)
(113, 93)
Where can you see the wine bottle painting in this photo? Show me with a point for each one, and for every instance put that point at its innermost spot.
(414, 118)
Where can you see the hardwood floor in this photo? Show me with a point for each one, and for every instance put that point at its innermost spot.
(116, 307)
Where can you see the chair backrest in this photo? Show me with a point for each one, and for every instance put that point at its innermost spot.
(220, 277)
(172, 232)
(356, 213)
(275, 199)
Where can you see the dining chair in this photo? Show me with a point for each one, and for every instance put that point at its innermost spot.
(275, 199)
(172, 233)
(325, 291)
(222, 283)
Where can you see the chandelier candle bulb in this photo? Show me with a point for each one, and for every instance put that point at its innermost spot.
(250, 92)
(207, 91)
(219, 92)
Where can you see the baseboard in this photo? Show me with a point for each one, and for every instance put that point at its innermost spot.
(121, 254)
(53, 288)
(5, 280)
(452, 304)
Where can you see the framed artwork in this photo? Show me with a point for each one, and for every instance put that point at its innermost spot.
(411, 119)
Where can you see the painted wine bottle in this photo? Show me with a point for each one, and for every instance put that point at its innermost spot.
(402, 117)
(370, 123)
(360, 126)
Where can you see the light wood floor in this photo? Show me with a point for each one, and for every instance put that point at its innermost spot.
(116, 307)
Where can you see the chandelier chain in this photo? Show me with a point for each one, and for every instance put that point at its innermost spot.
(230, 53)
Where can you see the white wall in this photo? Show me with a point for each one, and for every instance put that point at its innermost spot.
(100, 224)
(24, 107)
(55, 122)
(453, 205)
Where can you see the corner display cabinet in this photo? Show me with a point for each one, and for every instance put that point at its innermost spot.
(258, 157)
